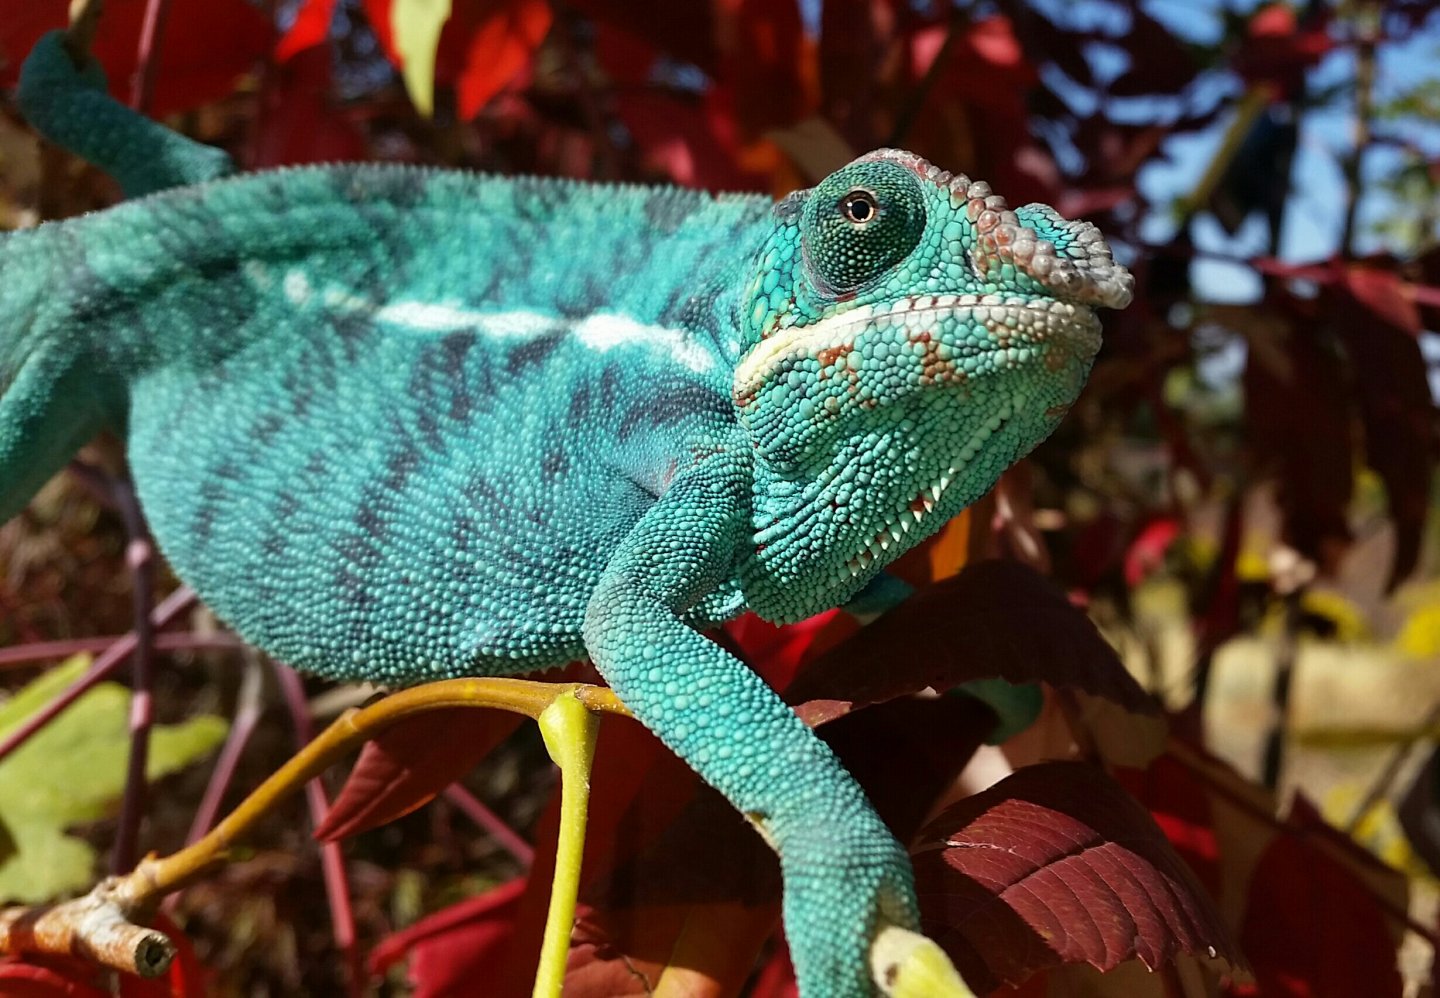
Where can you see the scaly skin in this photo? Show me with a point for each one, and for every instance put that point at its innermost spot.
(401, 424)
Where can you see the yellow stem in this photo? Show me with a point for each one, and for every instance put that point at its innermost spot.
(569, 731)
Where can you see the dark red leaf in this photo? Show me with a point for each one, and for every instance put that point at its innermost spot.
(1159, 62)
(1397, 412)
(191, 70)
(299, 119)
(408, 764)
(691, 141)
(683, 31)
(1298, 427)
(456, 947)
(29, 980)
(1379, 288)
(996, 618)
(1057, 864)
(1312, 926)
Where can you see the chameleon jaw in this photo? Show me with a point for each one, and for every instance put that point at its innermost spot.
(928, 498)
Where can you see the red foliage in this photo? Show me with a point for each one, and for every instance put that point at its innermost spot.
(1313, 927)
(191, 69)
(407, 765)
(1057, 864)
(996, 618)
(484, 45)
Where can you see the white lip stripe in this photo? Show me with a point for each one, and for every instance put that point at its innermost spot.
(795, 340)
(763, 355)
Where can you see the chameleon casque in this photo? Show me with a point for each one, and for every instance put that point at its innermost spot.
(402, 424)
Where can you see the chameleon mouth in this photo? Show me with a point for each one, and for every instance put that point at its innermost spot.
(1016, 326)
(920, 508)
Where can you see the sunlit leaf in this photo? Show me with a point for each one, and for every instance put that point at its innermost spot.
(73, 771)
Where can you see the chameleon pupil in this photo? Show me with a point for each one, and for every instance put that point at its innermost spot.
(859, 207)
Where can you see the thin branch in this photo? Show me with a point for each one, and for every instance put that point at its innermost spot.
(1369, 16)
(140, 560)
(105, 666)
(332, 862)
(248, 710)
(142, 84)
(70, 927)
(915, 102)
(475, 809)
(20, 656)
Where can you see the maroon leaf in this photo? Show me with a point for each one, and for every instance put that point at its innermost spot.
(408, 764)
(1057, 864)
(1313, 928)
(1397, 412)
(1299, 427)
(996, 618)
(455, 947)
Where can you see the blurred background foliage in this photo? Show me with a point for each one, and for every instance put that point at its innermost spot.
(1243, 498)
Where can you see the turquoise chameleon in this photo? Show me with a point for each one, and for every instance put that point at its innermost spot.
(401, 424)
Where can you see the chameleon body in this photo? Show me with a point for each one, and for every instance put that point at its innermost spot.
(402, 424)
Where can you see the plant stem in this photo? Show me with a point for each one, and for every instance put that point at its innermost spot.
(332, 861)
(569, 731)
(140, 560)
(170, 608)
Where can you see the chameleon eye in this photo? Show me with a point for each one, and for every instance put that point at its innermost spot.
(859, 207)
(858, 223)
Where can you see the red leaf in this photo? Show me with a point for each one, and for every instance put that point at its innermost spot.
(299, 120)
(192, 69)
(1057, 864)
(483, 46)
(457, 946)
(1380, 289)
(501, 42)
(1397, 412)
(1299, 428)
(1147, 551)
(408, 764)
(996, 618)
(683, 31)
(1312, 926)
(310, 28)
(29, 980)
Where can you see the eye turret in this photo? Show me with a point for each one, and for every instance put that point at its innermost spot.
(860, 222)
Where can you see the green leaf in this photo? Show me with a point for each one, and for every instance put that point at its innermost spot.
(416, 28)
(73, 771)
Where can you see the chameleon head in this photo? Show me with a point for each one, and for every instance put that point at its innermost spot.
(908, 338)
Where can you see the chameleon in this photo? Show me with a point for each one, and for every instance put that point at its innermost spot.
(401, 424)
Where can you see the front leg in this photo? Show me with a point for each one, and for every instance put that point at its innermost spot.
(845, 876)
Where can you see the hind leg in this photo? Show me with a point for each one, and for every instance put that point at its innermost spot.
(69, 105)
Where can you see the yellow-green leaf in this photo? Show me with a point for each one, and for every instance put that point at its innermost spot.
(73, 771)
(416, 26)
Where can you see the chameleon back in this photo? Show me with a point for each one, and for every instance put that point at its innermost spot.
(513, 418)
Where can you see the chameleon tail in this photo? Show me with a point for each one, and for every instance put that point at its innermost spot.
(48, 407)
(70, 106)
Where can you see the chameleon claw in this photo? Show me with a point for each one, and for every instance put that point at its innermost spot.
(905, 964)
